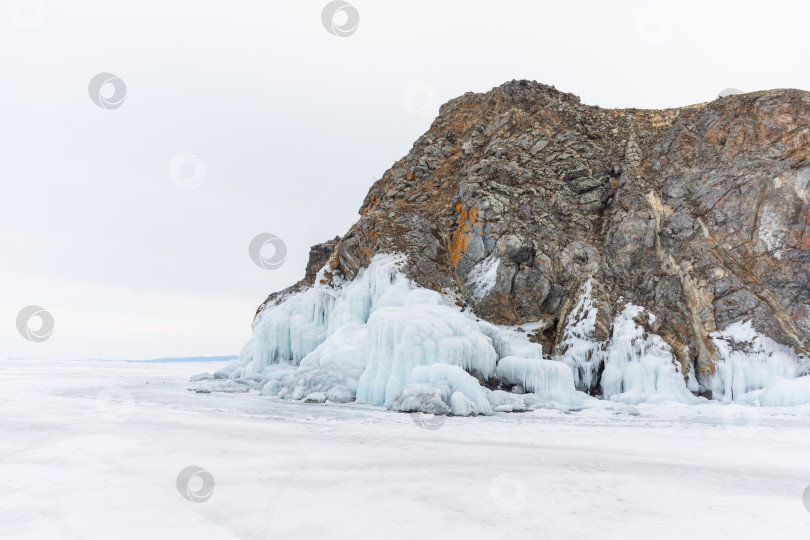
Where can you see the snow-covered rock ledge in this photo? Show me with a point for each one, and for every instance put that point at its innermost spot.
(382, 340)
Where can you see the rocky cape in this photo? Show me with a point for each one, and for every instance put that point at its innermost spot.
(698, 214)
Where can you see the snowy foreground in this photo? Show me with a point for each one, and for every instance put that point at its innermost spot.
(94, 450)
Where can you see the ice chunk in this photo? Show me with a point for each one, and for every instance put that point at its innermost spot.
(423, 397)
(505, 401)
(439, 383)
(640, 366)
(271, 388)
(548, 379)
(750, 361)
(226, 386)
(458, 380)
(460, 405)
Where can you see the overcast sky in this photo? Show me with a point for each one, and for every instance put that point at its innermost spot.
(279, 126)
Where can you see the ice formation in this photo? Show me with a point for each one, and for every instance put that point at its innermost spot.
(501, 401)
(781, 392)
(640, 366)
(333, 368)
(510, 341)
(365, 340)
(756, 368)
(423, 397)
(584, 354)
(421, 334)
(635, 366)
(459, 390)
(382, 340)
(547, 379)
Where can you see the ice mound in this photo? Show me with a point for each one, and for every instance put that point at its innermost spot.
(442, 389)
(423, 397)
(547, 379)
(752, 362)
(333, 368)
(364, 339)
(501, 401)
(781, 392)
(640, 366)
(461, 383)
(421, 334)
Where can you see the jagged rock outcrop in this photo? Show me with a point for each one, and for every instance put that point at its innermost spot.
(699, 214)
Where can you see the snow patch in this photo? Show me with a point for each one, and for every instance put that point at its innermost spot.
(482, 277)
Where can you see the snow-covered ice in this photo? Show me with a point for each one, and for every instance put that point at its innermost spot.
(93, 450)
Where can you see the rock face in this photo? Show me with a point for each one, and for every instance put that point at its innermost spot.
(699, 214)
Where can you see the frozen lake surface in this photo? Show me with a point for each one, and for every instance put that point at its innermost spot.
(94, 449)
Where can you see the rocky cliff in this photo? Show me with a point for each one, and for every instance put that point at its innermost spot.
(518, 197)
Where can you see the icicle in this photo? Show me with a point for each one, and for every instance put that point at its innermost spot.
(583, 353)
(753, 362)
(548, 379)
(640, 367)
